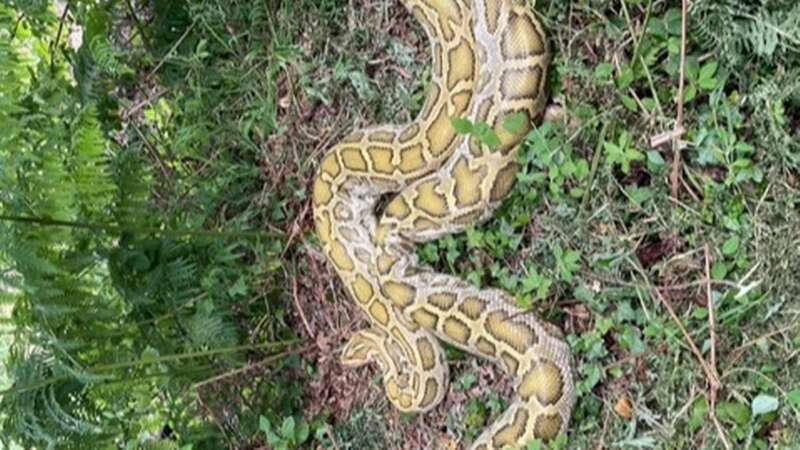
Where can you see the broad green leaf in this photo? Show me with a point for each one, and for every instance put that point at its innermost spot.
(625, 79)
(730, 246)
(699, 413)
(629, 103)
(489, 137)
(603, 70)
(462, 126)
(287, 429)
(719, 270)
(733, 412)
(264, 425)
(302, 432)
(708, 70)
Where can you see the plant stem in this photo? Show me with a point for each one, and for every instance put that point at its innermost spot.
(143, 362)
(44, 221)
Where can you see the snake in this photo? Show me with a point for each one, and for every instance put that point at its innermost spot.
(383, 190)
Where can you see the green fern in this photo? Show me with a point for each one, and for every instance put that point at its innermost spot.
(106, 58)
(738, 31)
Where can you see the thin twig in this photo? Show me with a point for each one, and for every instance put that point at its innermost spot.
(251, 366)
(711, 315)
(711, 374)
(676, 142)
(300, 309)
(714, 384)
(598, 151)
(171, 50)
(138, 24)
(58, 33)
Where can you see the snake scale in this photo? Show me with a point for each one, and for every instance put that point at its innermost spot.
(489, 62)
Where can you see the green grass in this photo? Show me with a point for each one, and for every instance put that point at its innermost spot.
(217, 113)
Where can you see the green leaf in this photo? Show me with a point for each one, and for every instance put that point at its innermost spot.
(707, 84)
(708, 70)
(515, 122)
(287, 429)
(625, 79)
(654, 157)
(534, 445)
(629, 103)
(264, 425)
(730, 246)
(489, 137)
(603, 70)
(462, 126)
(733, 412)
(302, 432)
(273, 439)
(764, 404)
(719, 270)
(793, 398)
(699, 413)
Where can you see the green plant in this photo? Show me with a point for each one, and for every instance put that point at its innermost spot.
(290, 435)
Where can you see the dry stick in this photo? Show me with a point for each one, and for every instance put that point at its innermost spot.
(60, 29)
(711, 374)
(251, 366)
(714, 385)
(300, 309)
(171, 50)
(676, 145)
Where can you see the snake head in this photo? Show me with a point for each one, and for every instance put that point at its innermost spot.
(364, 347)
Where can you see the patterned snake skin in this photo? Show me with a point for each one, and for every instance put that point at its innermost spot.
(490, 59)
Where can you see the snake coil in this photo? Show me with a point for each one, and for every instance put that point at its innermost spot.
(489, 62)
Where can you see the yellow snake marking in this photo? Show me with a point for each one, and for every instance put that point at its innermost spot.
(510, 434)
(547, 426)
(490, 60)
(544, 382)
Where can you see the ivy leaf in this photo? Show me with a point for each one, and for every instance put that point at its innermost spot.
(731, 246)
(462, 126)
(486, 135)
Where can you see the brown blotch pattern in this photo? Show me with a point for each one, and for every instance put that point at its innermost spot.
(504, 181)
(472, 307)
(485, 347)
(442, 300)
(431, 389)
(518, 336)
(521, 83)
(511, 363)
(522, 39)
(511, 433)
(426, 353)
(547, 426)
(425, 319)
(543, 381)
(456, 330)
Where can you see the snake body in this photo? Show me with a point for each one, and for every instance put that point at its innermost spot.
(489, 62)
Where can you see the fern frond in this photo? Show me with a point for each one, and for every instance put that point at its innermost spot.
(92, 178)
(105, 56)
